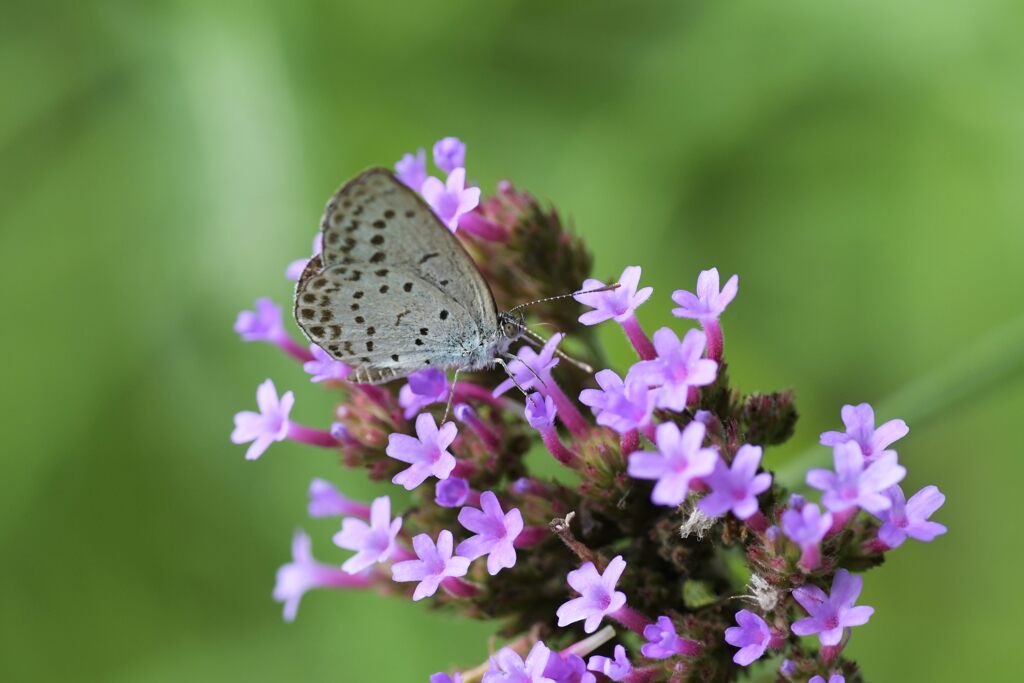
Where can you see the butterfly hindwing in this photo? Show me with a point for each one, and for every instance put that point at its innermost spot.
(393, 291)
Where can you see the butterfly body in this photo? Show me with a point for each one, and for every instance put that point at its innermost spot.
(393, 291)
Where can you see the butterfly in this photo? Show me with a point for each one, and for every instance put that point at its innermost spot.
(393, 291)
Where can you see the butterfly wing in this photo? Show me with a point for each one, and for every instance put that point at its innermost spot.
(393, 290)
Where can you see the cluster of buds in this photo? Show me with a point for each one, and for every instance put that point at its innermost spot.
(668, 516)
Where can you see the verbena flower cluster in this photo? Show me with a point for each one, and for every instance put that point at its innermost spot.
(666, 522)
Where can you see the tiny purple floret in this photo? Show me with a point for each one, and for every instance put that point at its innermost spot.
(709, 302)
(263, 324)
(752, 636)
(495, 530)
(411, 169)
(435, 564)
(373, 542)
(508, 667)
(270, 424)
(806, 525)
(529, 365)
(623, 406)
(616, 669)
(679, 460)
(663, 641)
(852, 484)
(830, 614)
(427, 453)
(452, 492)
(304, 573)
(679, 366)
(617, 304)
(598, 596)
(860, 428)
(324, 368)
(910, 517)
(424, 388)
(736, 488)
(451, 199)
(449, 154)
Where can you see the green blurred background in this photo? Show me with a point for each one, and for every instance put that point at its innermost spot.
(860, 165)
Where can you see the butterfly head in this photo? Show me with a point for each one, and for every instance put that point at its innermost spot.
(511, 324)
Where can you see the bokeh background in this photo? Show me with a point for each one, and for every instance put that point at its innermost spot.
(860, 165)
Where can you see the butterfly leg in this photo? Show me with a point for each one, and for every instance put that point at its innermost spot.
(451, 396)
(511, 375)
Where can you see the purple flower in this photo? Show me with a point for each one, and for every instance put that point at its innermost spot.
(449, 154)
(442, 677)
(427, 453)
(737, 488)
(623, 406)
(452, 492)
(326, 501)
(678, 367)
(709, 302)
(806, 526)
(451, 199)
(268, 425)
(910, 517)
(830, 614)
(619, 304)
(304, 573)
(529, 365)
(425, 387)
(509, 667)
(598, 596)
(679, 460)
(752, 636)
(787, 668)
(373, 542)
(412, 169)
(834, 678)
(860, 428)
(540, 411)
(296, 267)
(853, 484)
(323, 367)
(434, 565)
(495, 533)
(263, 324)
(616, 669)
(568, 668)
(663, 641)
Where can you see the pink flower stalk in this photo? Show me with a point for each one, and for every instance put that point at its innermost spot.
(620, 305)
(854, 485)
(427, 453)
(496, 532)
(679, 460)
(451, 199)
(265, 325)
(435, 564)
(678, 369)
(860, 429)
(910, 517)
(736, 489)
(373, 542)
(707, 305)
(324, 368)
(325, 500)
(598, 597)
(411, 169)
(304, 573)
(271, 424)
(465, 414)
(663, 641)
(831, 613)
(540, 414)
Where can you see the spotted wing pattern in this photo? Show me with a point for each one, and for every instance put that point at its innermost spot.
(393, 290)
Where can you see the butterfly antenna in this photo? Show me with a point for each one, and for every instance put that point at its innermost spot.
(536, 338)
(606, 288)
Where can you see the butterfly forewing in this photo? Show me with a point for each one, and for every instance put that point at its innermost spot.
(393, 291)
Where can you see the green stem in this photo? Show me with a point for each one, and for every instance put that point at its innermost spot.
(995, 359)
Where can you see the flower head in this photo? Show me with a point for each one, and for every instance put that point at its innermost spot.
(617, 304)
(830, 614)
(427, 453)
(449, 154)
(324, 368)
(304, 573)
(530, 365)
(752, 636)
(623, 406)
(452, 492)
(598, 596)
(495, 530)
(679, 366)
(268, 425)
(860, 428)
(663, 641)
(434, 565)
(736, 488)
(616, 669)
(263, 324)
(709, 302)
(373, 542)
(451, 199)
(412, 169)
(424, 388)
(679, 460)
(508, 667)
(853, 484)
(910, 517)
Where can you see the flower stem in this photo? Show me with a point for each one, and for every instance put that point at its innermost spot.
(313, 437)
(555, 446)
(638, 338)
(531, 536)
(629, 442)
(476, 224)
(713, 331)
(458, 588)
(567, 410)
(292, 347)
(631, 619)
